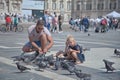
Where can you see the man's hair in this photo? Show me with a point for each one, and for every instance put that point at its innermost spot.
(40, 22)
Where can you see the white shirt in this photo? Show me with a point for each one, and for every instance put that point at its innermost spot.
(32, 32)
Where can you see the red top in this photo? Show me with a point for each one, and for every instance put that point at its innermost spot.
(8, 20)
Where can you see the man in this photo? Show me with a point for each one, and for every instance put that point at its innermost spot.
(40, 38)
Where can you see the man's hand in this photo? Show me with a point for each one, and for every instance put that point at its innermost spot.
(40, 50)
(45, 50)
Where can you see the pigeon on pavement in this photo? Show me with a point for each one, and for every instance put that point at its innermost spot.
(117, 52)
(21, 67)
(81, 75)
(68, 66)
(108, 65)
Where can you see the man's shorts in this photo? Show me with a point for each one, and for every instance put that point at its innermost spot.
(28, 44)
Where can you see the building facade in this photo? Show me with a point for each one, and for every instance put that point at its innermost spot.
(94, 8)
(62, 7)
(10, 6)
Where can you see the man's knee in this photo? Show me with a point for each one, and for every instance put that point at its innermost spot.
(43, 36)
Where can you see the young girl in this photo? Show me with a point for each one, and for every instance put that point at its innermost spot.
(74, 51)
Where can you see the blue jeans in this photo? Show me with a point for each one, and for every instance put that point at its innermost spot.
(28, 44)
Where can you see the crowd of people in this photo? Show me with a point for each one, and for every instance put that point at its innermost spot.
(52, 22)
(101, 24)
(11, 21)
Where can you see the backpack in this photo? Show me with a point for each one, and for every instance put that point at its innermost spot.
(104, 22)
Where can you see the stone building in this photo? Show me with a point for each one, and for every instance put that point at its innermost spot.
(94, 8)
(62, 7)
(10, 6)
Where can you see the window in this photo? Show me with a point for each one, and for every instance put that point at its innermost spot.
(61, 4)
(53, 5)
(118, 3)
(88, 6)
(78, 5)
(1, 5)
(68, 5)
(112, 4)
(100, 6)
(46, 5)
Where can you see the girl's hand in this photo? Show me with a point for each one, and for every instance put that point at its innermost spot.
(70, 50)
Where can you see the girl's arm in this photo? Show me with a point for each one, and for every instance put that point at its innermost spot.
(76, 51)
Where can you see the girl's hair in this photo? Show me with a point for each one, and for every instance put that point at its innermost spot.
(70, 38)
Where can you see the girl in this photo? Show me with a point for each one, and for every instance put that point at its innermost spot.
(75, 51)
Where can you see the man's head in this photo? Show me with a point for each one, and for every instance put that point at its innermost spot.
(39, 26)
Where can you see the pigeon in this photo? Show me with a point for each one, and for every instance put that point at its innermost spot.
(57, 63)
(88, 34)
(81, 75)
(117, 52)
(26, 58)
(68, 66)
(41, 66)
(108, 65)
(49, 58)
(21, 67)
(30, 58)
(39, 58)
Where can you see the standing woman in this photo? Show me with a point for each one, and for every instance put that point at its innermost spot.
(55, 24)
(15, 22)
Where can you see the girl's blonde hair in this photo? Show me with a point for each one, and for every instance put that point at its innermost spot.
(70, 38)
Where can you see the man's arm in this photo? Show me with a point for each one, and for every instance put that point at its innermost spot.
(50, 39)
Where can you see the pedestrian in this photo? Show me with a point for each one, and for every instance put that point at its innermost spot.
(46, 20)
(40, 38)
(15, 23)
(8, 22)
(60, 23)
(55, 24)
